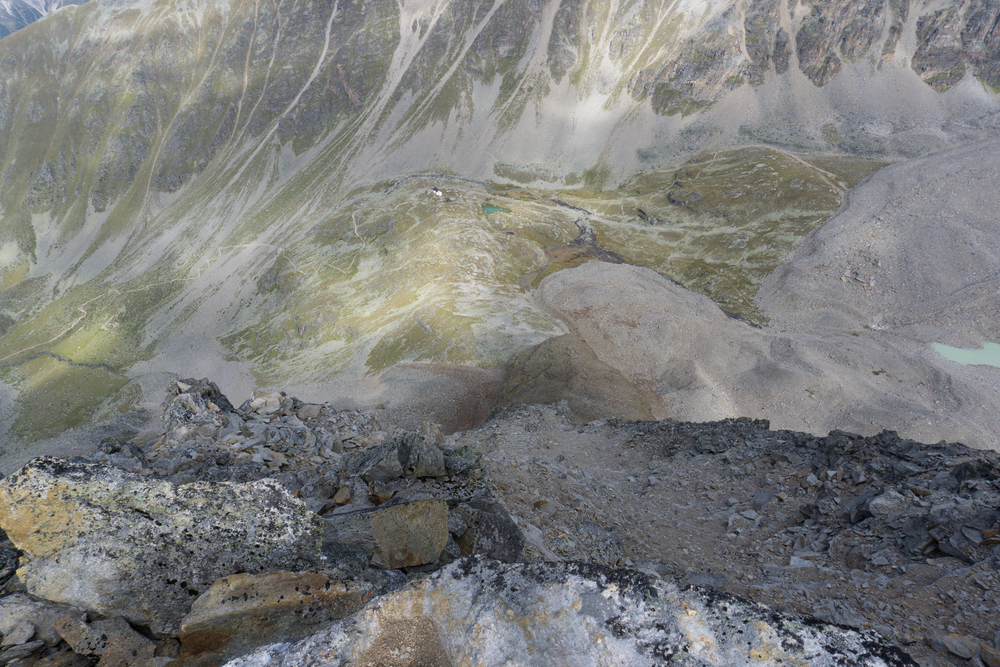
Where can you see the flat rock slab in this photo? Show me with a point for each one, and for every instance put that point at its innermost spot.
(243, 611)
(478, 611)
(120, 544)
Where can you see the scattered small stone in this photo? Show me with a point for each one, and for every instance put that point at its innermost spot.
(19, 652)
(546, 507)
(19, 634)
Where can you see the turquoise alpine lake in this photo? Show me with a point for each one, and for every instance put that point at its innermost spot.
(989, 355)
(490, 208)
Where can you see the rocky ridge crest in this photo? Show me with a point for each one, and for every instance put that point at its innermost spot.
(378, 511)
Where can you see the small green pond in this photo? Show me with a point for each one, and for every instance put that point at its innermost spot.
(490, 208)
(989, 355)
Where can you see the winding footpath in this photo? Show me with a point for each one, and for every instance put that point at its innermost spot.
(59, 357)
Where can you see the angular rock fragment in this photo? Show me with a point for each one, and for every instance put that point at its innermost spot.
(418, 457)
(989, 655)
(963, 647)
(378, 463)
(67, 658)
(463, 461)
(403, 535)
(491, 531)
(123, 545)
(19, 608)
(308, 412)
(19, 652)
(477, 611)
(113, 641)
(19, 634)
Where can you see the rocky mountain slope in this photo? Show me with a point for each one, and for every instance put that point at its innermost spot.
(16, 14)
(293, 532)
(230, 185)
(438, 210)
(853, 316)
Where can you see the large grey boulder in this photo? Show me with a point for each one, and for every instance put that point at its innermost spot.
(478, 611)
(120, 544)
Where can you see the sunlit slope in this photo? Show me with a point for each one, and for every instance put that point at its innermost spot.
(193, 181)
(111, 111)
(399, 275)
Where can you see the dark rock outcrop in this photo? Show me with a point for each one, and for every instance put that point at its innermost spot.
(958, 38)
(235, 517)
(415, 505)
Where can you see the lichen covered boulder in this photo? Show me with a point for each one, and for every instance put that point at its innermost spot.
(120, 544)
(478, 611)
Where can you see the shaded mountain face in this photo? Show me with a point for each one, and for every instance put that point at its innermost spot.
(16, 14)
(195, 179)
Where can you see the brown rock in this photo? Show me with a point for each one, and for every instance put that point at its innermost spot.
(989, 655)
(113, 641)
(243, 611)
(343, 495)
(398, 536)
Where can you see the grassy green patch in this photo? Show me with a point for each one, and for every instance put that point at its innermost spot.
(55, 396)
(847, 169)
(724, 220)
